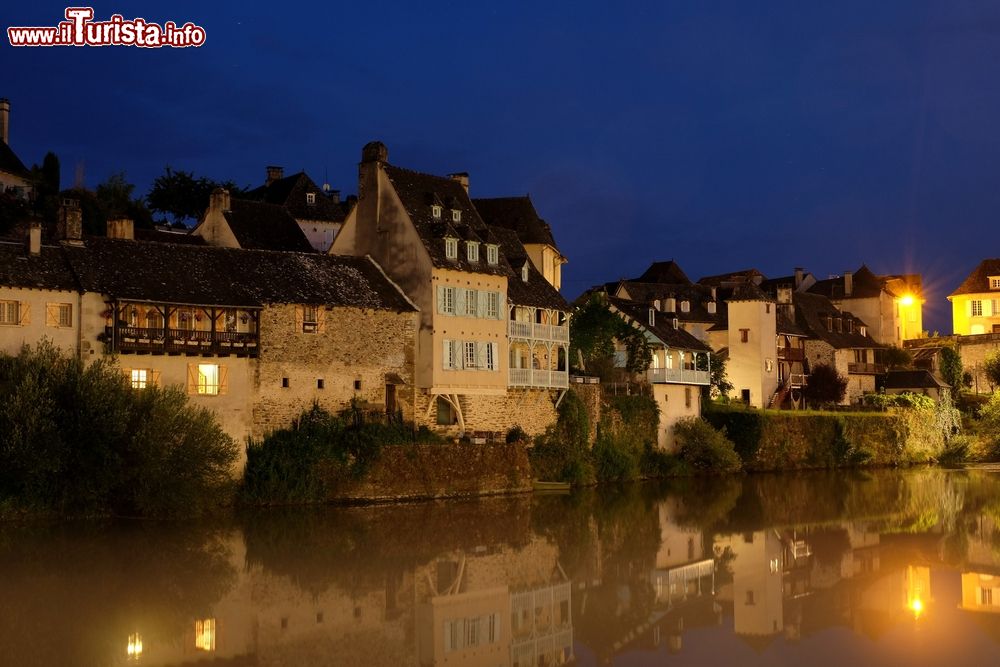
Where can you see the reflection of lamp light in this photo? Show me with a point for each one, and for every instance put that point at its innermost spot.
(906, 300)
(134, 646)
(917, 606)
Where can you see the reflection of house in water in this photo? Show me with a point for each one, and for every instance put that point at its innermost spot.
(756, 589)
(500, 607)
(981, 581)
(682, 571)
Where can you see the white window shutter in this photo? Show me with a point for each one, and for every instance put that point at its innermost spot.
(502, 310)
(481, 304)
(456, 354)
(968, 307)
(440, 307)
(481, 355)
(495, 349)
(446, 359)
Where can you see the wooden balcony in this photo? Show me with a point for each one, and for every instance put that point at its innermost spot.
(528, 377)
(857, 368)
(532, 331)
(678, 376)
(146, 340)
(791, 354)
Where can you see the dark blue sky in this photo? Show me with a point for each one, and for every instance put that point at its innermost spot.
(724, 135)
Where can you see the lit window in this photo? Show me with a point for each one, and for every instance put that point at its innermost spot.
(977, 308)
(472, 251)
(864, 331)
(310, 197)
(470, 354)
(492, 254)
(436, 212)
(204, 634)
(134, 649)
(208, 379)
(451, 248)
(711, 307)
(994, 282)
(140, 378)
(456, 216)
(10, 312)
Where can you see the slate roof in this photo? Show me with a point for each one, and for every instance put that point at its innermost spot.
(662, 329)
(162, 236)
(47, 270)
(668, 272)
(263, 226)
(518, 214)
(811, 311)
(10, 163)
(537, 292)
(748, 292)
(696, 295)
(978, 281)
(921, 379)
(865, 284)
(418, 192)
(208, 275)
(746, 275)
(290, 192)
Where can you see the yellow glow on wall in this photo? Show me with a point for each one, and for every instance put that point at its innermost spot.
(204, 634)
(907, 300)
(134, 650)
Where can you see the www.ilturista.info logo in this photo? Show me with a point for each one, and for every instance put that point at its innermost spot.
(80, 29)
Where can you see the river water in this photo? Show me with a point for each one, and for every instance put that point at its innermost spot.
(845, 568)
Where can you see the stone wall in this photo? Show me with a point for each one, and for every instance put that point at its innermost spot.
(531, 409)
(590, 395)
(405, 472)
(367, 347)
(820, 352)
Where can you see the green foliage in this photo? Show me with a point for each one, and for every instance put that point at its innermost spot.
(903, 400)
(594, 332)
(45, 180)
(896, 357)
(184, 196)
(720, 384)
(826, 386)
(115, 198)
(743, 426)
(306, 462)
(951, 368)
(958, 450)
(561, 453)
(991, 368)
(517, 434)
(989, 427)
(705, 449)
(78, 439)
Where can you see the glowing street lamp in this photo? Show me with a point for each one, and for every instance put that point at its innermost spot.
(906, 300)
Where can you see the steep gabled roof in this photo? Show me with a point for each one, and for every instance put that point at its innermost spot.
(47, 270)
(811, 313)
(418, 192)
(865, 285)
(290, 192)
(668, 272)
(518, 214)
(978, 281)
(263, 226)
(537, 291)
(743, 276)
(663, 329)
(10, 163)
(209, 275)
(747, 291)
(697, 297)
(921, 379)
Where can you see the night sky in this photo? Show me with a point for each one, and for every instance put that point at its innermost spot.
(725, 135)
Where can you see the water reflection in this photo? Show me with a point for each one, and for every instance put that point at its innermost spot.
(883, 568)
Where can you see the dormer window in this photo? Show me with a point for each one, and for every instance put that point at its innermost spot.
(472, 251)
(677, 323)
(685, 306)
(864, 331)
(829, 323)
(656, 304)
(711, 307)
(435, 211)
(652, 317)
(310, 198)
(524, 273)
(451, 248)
(850, 326)
(994, 282)
(456, 215)
(492, 253)
(839, 325)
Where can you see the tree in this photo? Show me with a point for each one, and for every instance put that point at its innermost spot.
(991, 368)
(721, 386)
(115, 199)
(45, 179)
(826, 386)
(184, 196)
(951, 369)
(897, 357)
(594, 333)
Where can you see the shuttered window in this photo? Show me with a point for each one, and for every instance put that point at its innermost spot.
(58, 315)
(10, 312)
(208, 379)
(446, 300)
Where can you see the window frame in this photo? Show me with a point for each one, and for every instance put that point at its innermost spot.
(472, 251)
(976, 305)
(492, 309)
(456, 215)
(492, 254)
(994, 282)
(311, 198)
(469, 352)
(8, 306)
(451, 247)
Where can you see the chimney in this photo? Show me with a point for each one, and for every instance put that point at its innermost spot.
(798, 276)
(463, 178)
(219, 200)
(333, 195)
(274, 174)
(848, 283)
(374, 151)
(121, 228)
(5, 119)
(34, 238)
(69, 221)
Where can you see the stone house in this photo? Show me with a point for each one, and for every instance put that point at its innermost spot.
(251, 225)
(319, 212)
(256, 336)
(975, 304)
(430, 238)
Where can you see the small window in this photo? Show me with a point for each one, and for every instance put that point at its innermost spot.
(685, 306)
(744, 335)
(687, 397)
(310, 198)
(677, 323)
(471, 303)
(492, 254)
(456, 216)
(470, 354)
(711, 307)
(140, 378)
(493, 305)
(207, 379)
(768, 365)
(977, 308)
(652, 317)
(994, 282)
(850, 326)
(864, 331)
(829, 323)
(524, 273)
(357, 385)
(451, 248)
(320, 384)
(59, 315)
(839, 325)
(447, 296)
(284, 383)
(204, 634)
(472, 251)
(310, 318)
(436, 212)
(10, 312)
(767, 308)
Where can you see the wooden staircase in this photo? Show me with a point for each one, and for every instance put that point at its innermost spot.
(780, 394)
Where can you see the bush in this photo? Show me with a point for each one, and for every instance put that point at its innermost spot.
(904, 400)
(826, 386)
(561, 453)
(705, 449)
(957, 450)
(76, 438)
(517, 434)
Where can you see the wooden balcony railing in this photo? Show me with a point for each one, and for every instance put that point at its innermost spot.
(527, 377)
(156, 340)
(857, 368)
(791, 354)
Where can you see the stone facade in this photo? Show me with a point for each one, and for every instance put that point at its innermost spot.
(531, 409)
(821, 352)
(356, 354)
